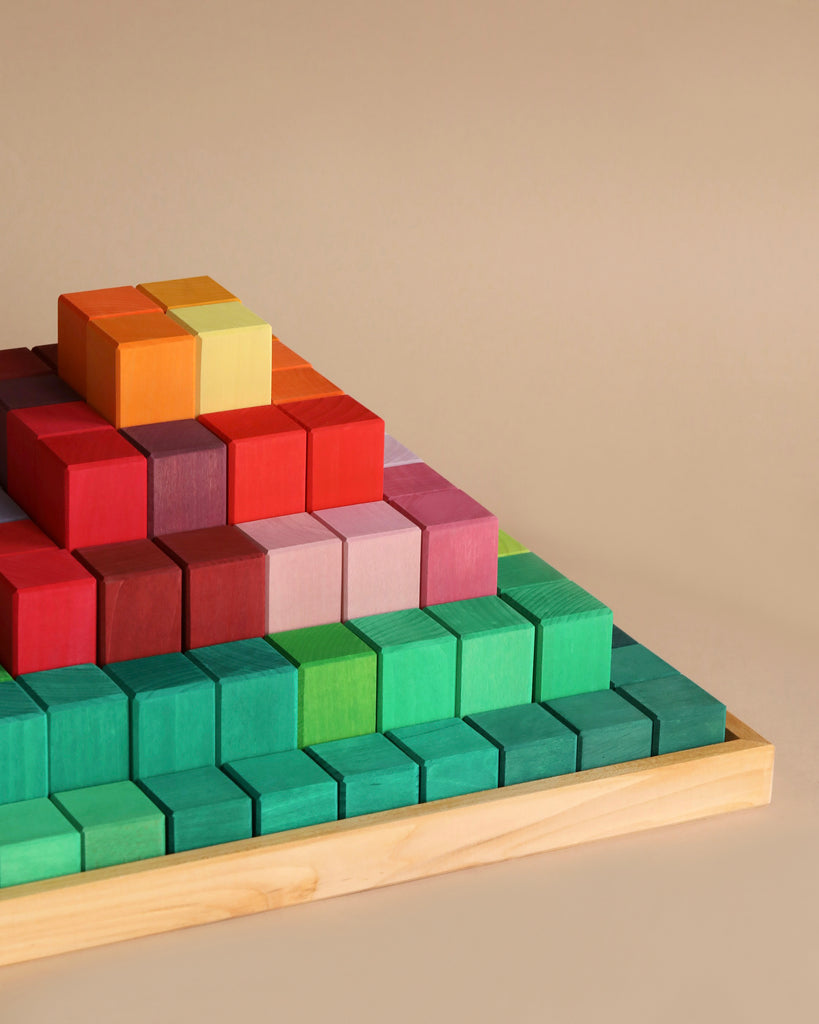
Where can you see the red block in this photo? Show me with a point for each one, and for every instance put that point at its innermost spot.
(26, 393)
(20, 362)
(223, 584)
(48, 612)
(267, 459)
(345, 451)
(22, 535)
(139, 600)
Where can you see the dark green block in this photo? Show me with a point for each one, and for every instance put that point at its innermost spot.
(202, 807)
(453, 757)
(87, 726)
(684, 715)
(372, 774)
(23, 745)
(633, 663)
(610, 729)
(36, 841)
(523, 569)
(619, 638)
(495, 653)
(337, 681)
(289, 790)
(533, 744)
(573, 637)
(117, 823)
(417, 667)
(257, 692)
(173, 713)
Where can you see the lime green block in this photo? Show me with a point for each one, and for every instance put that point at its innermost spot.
(496, 648)
(521, 570)
(417, 667)
(573, 643)
(632, 663)
(684, 715)
(533, 744)
(36, 841)
(609, 729)
(454, 759)
(508, 545)
(23, 745)
(337, 681)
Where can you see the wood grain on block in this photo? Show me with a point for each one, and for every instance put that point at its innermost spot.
(509, 546)
(609, 729)
(21, 362)
(223, 584)
(266, 461)
(413, 478)
(21, 535)
(382, 558)
(23, 745)
(36, 841)
(26, 393)
(683, 714)
(522, 569)
(300, 384)
(139, 600)
(619, 638)
(10, 511)
(187, 475)
(345, 451)
(453, 758)
(186, 291)
(303, 571)
(632, 663)
(459, 545)
(533, 744)
(49, 355)
(284, 358)
(397, 454)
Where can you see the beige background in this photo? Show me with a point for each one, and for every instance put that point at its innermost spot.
(569, 251)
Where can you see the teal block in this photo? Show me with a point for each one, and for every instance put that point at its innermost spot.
(453, 758)
(619, 638)
(533, 744)
(173, 714)
(36, 841)
(87, 725)
(289, 790)
(257, 695)
(523, 569)
(632, 663)
(683, 714)
(609, 728)
(372, 773)
(23, 745)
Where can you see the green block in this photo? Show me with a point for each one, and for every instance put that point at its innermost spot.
(453, 758)
(173, 714)
(23, 745)
(524, 569)
(684, 715)
(337, 681)
(533, 744)
(87, 725)
(609, 728)
(573, 637)
(495, 653)
(257, 691)
(417, 667)
(372, 774)
(289, 790)
(36, 841)
(117, 823)
(508, 545)
(202, 807)
(619, 638)
(633, 663)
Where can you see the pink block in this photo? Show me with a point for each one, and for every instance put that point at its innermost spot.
(396, 454)
(304, 563)
(459, 550)
(413, 478)
(382, 558)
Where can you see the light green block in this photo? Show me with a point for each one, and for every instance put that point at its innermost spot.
(508, 545)
(23, 745)
(453, 757)
(36, 841)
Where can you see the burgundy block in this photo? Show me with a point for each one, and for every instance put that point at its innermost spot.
(20, 362)
(48, 354)
(25, 393)
(412, 478)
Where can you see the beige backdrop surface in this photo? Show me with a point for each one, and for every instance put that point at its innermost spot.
(569, 252)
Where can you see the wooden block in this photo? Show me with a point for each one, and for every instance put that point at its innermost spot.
(223, 584)
(257, 691)
(533, 744)
(23, 745)
(632, 663)
(284, 358)
(304, 571)
(117, 823)
(10, 511)
(36, 841)
(509, 546)
(187, 475)
(300, 384)
(20, 362)
(26, 393)
(289, 790)
(397, 454)
(202, 807)
(619, 638)
(49, 355)
(459, 545)
(382, 558)
(139, 600)
(74, 312)
(609, 729)
(572, 639)
(345, 451)
(413, 478)
(417, 667)
(453, 758)
(266, 462)
(522, 569)
(186, 291)
(22, 535)
(141, 369)
(337, 681)
(683, 714)
(373, 774)
(87, 725)
(496, 651)
(173, 713)
(233, 355)
(48, 611)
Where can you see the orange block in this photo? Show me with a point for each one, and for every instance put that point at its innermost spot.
(141, 369)
(186, 291)
(285, 358)
(300, 384)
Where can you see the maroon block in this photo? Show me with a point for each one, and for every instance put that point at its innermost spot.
(25, 393)
(413, 478)
(22, 535)
(20, 362)
(48, 354)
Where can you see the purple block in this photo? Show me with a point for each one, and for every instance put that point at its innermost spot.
(412, 478)
(397, 454)
(10, 511)
(26, 393)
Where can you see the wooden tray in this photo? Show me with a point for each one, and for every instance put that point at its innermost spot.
(178, 890)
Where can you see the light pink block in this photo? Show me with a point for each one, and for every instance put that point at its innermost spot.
(395, 454)
(459, 550)
(382, 558)
(304, 570)
(413, 478)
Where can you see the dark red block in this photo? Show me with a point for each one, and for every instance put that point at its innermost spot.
(139, 600)
(267, 461)
(187, 475)
(412, 478)
(22, 535)
(345, 451)
(48, 354)
(223, 585)
(20, 362)
(25, 393)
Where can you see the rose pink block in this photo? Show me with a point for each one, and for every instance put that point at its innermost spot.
(413, 478)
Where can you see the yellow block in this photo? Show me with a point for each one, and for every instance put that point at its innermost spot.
(186, 291)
